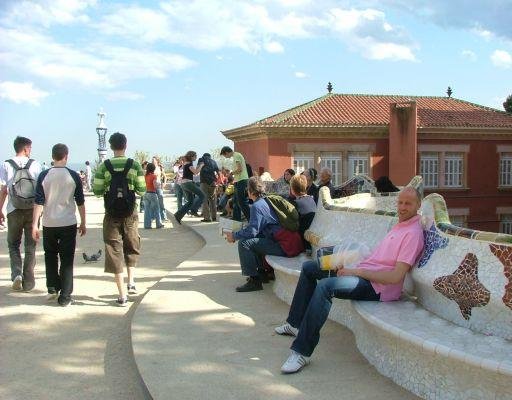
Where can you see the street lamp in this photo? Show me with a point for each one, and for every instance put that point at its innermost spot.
(101, 130)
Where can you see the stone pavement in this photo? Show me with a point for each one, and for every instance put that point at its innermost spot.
(193, 336)
(82, 351)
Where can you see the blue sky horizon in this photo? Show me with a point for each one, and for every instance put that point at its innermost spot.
(172, 74)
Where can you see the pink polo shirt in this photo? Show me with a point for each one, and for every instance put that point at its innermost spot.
(404, 242)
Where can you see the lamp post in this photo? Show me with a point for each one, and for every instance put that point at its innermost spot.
(101, 130)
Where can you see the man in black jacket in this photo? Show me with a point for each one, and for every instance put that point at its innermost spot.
(208, 178)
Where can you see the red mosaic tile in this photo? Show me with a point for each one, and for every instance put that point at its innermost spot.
(463, 286)
(504, 254)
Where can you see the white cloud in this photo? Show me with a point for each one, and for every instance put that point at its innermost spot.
(47, 12)
(274, 47)
(486, 18)
(501, 59)
(96, 65)
(21, 92)
(368, 32)
(256, 26)
(124, 95)
(300, 75)
(468, 54)
(137, 22)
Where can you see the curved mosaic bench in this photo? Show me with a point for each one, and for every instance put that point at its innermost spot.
(436, 354)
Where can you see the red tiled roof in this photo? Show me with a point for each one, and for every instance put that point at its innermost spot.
(371, 110)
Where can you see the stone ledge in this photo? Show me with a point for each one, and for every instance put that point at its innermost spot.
(418, 350)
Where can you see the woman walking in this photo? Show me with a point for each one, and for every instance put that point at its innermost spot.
(189, 187)
(151, 206)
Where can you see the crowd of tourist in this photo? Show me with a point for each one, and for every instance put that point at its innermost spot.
(275, 225)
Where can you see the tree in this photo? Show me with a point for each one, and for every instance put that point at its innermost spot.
(141, 156)
(507, 105)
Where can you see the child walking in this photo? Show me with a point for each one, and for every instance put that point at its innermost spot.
(57, 191)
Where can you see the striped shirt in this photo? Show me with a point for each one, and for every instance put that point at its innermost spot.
(135, 176)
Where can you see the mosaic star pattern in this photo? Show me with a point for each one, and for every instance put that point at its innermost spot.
(433, 241)
(504, 254)
(463, 286)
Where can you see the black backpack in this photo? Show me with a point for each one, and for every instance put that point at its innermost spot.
(119, 200)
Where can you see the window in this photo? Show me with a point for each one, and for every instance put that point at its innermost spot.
(458, 220)
(505, 169)
(429, 169)
(333, 162)
(303, 161)
(453, 163)
(442, 169)
(506, 223)
(357, 164)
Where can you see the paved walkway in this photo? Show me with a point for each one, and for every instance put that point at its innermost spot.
(82, 351)
(193, 336)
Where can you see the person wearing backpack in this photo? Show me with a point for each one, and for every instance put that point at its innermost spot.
(208, 178)
(117, 180)
(18, 178)
(58, 190)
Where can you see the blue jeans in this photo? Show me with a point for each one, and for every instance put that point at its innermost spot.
(189, 190)
(160, 195)
(179, 194)
(151, 210)
(240, 201)
(223, 201)
(252, 251)
(312, 302)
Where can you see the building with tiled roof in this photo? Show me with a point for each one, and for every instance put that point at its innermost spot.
(463, 150)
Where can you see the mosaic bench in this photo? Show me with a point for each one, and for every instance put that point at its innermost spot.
(450, 343)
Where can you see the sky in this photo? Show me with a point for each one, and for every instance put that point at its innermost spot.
(172, 75)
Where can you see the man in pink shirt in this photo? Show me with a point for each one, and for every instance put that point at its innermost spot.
(379, 277)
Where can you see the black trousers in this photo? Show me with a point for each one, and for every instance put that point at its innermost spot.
(59, 242)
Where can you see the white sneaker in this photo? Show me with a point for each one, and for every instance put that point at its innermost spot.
(286, 329)
(131, 289)
(122, 301)
(17, 284)
(295, 363)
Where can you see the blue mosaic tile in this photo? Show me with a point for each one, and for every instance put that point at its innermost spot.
(433, 241)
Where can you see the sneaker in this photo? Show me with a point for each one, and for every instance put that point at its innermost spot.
(17, 283)
(295, 363)
(286, 329)
(64, 301)
(52, 294)
(160, 226)
(131, 289)
(122, 301)
(253, 284)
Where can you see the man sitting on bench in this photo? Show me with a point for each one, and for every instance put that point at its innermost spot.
(379, 277)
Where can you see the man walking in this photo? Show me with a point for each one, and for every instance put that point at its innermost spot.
(118, 179)
(208, 178)
(88, 176)
(18, 178)
(240, 200)
(57, 191)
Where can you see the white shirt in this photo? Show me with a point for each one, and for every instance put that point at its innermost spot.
(88, 172)
(58, 189)
(7, 174)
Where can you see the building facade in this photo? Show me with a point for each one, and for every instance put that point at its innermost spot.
(462, 150)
